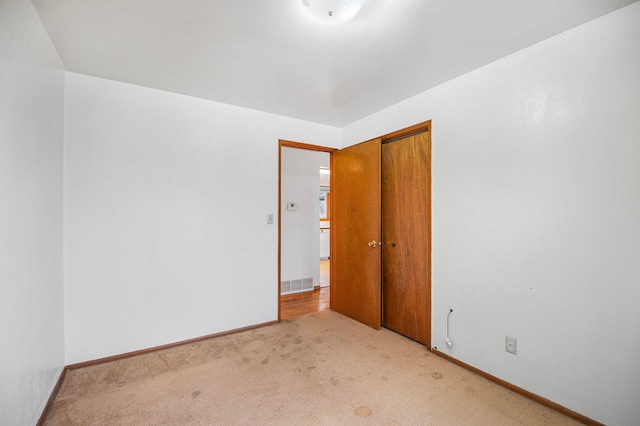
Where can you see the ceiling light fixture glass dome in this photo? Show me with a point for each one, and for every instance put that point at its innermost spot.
(330, 12)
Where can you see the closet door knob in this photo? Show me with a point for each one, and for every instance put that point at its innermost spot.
(374, 243)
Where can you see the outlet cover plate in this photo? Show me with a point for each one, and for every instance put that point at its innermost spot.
(511, 345)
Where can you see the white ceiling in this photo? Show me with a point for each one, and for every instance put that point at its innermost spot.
(265, 55)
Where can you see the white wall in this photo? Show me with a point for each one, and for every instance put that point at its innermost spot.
(31, 289)
(166, 202)
(536, 214)
(536, 199)
(300, 239)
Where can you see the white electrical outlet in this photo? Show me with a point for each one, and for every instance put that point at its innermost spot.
(270, 219)
(511, 345)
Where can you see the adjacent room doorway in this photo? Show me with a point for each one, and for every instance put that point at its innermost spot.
(381, 231)
(303, 229)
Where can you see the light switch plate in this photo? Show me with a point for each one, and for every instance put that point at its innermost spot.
(511, 345)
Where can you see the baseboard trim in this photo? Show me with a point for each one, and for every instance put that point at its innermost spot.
(537, 398)
(167, 346)
(52, 397)
(56, 388)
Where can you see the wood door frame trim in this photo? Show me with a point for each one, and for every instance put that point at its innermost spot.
(298, 145)
(420, 127)
(306, 146)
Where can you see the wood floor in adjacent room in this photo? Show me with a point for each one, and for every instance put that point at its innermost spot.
(319, 369)
(310, 302)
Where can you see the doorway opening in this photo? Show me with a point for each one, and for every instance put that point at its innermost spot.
(395, 293)
(304, 217)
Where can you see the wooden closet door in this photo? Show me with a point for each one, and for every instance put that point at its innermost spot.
(356, 231)
(406, 210)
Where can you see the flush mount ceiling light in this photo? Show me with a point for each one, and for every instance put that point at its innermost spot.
(330, 12)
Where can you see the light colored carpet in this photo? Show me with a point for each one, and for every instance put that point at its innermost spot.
(321, 369)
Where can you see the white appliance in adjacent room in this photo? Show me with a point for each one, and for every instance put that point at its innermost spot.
(324, 243)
